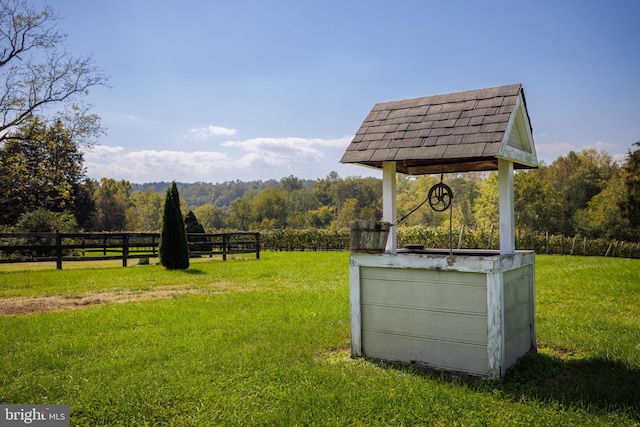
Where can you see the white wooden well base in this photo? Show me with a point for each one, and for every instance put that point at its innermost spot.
(473, 314)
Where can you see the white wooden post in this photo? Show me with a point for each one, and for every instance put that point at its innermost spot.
(354, 301)
(506, 202)
(389, 202)
(495, 325)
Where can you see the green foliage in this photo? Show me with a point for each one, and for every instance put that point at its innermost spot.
(112, 201)
(269, 207)
(191, 224)
(173, 248)
(44, 221)
(40, 167)
(145, 211)
(631, 201)
(211, 217)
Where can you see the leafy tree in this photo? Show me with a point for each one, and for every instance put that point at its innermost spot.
(487, 203)
(40, 167)
(211, 217)
(270, 205)
(578, 177)
(240, 214)
(538, 205)
(603, 215)
(412, 191)
(38, 73)
(44, 221)
(291, 183)
(348, 212)
(321, 217)
(144, 212)
(112, 202)
(631, 203)
(465, 192)
(173, 246)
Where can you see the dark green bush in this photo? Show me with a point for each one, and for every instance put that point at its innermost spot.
(174, 249)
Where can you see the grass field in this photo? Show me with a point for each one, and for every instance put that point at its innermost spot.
(266, 342)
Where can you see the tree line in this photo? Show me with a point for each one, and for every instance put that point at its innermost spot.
(43, 188)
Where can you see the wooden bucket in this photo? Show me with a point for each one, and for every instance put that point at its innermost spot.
(368, 236)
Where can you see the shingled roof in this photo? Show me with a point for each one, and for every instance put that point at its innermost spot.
(457, 132)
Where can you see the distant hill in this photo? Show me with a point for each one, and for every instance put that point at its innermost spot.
(221, 194)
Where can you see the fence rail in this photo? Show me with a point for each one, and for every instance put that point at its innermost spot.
(59, 247)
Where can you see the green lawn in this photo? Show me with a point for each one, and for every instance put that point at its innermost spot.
(266, 342)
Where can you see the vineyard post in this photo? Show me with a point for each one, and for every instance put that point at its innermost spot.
(493, 226)
(461, 234)
(547, 239)
(532, 244)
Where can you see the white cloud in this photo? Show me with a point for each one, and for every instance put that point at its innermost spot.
(286, 151)
(605, 146)
(210, 131)
(557, 148)
(258, 158)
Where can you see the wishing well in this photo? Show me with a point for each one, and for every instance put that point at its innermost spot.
(468, 311)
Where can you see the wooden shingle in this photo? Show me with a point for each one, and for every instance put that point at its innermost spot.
(457, 132)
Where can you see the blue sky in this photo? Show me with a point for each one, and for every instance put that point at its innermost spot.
(208, 90)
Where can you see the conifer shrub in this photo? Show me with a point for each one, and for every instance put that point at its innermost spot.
(173, 247)
(192, 225)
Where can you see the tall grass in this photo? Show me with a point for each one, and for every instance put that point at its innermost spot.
(268, 344)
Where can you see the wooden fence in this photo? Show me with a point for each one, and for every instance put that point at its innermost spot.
(59, 247)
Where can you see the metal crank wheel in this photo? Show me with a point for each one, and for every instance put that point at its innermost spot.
(440, 196)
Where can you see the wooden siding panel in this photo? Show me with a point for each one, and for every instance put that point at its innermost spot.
(439, 326)
(438, 290)
(518, 317)
(518, 346)
(514, 140)
(516, 287)
(452, 356)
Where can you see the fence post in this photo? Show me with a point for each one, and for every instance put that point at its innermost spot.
(584, 247)
(224, 246)
(257, 245)
(58, 251)
(573, 244)
(125, 248)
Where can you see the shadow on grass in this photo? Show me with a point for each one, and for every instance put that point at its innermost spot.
(193, 271)
(599, 384)
(595, 385)
(593, 382)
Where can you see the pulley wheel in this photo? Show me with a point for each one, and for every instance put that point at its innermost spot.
(440, 196)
